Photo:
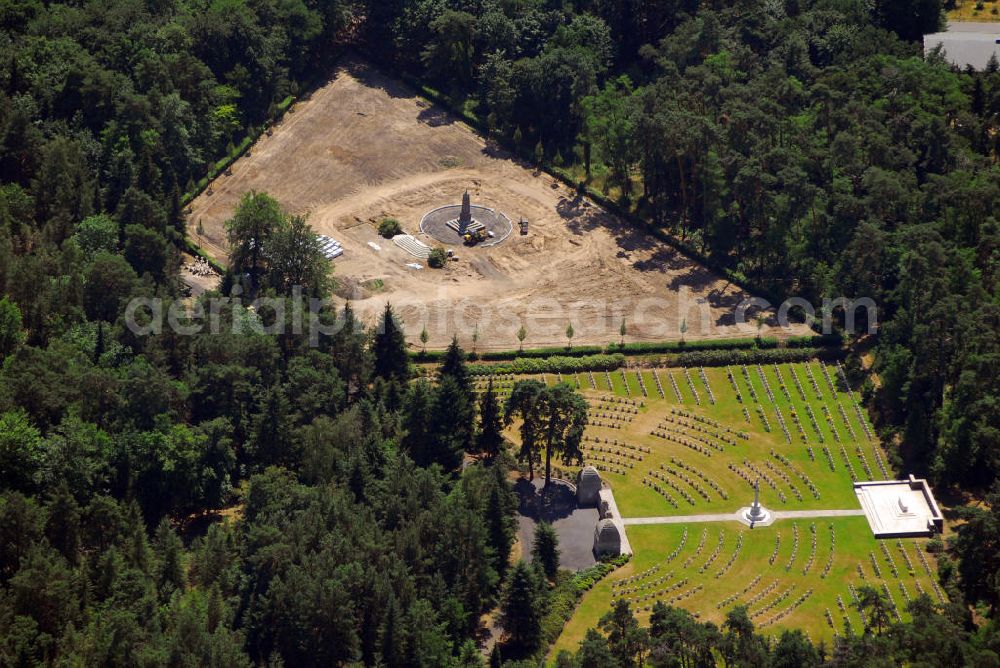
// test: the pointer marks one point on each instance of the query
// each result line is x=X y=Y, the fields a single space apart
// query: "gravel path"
x=731 y=517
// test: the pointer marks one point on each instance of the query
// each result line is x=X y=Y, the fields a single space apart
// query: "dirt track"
x=364 y=146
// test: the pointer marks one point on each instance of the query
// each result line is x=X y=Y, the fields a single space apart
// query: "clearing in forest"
x=364 y=146
x=690 y=441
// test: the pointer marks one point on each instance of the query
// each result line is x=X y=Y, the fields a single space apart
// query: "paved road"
x=974 y=26
x=731 y=517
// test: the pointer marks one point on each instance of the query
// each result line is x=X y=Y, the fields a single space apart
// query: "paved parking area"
x=574 y=526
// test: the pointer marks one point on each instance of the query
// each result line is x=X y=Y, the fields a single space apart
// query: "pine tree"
x=135 y=546
x=99 y=344
x=175 y=217
x=417 y=421
x=62 y=527
x=521 y=403
x=500 y=507
x=468 y=655
x=489 y=440
x=521 y=612
x=215 y=609
x=391 y=360
x=270 y=441
x=553 y=419
x=628 y=640
x=594 y=651
x=454 y=366
x=11 y=327
x=348 y=348
x=169 y=566
x=451 y=424
x=393 y=646
x=545 y=551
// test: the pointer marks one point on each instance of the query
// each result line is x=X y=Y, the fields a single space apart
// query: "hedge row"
x=641 y=348
x=437 y=97
x=285 y=104
x=575 y=351
x=570 y=587
x=510 y=355
x=815 y=341
x=708 y=344
x=690 y=358
x=556 y=364
x=768 y=356
x=223 y=163
x=588 y=577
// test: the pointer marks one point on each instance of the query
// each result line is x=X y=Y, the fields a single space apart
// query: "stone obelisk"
x=465 y=217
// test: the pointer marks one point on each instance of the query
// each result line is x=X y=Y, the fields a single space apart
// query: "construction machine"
x=474 y=237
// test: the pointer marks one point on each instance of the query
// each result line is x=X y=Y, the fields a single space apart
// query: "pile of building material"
x=330 y=248
x=412 y=246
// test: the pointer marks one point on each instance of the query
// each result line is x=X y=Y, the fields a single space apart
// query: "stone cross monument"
x=756 y=513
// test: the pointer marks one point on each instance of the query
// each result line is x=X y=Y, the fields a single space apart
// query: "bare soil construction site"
x=364 y=146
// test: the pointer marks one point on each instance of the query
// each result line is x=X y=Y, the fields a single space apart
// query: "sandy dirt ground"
x=364 y=146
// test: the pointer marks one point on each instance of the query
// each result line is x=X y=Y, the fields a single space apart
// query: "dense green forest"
x=245 y=499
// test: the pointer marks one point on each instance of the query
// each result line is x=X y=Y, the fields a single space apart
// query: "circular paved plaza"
x=435 y=223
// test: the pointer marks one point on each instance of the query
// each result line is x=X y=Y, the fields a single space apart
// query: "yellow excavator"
x=473 y=238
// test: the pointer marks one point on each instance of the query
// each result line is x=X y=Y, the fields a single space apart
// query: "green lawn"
x=636 y=499
x=854 y=545
x=663 y=425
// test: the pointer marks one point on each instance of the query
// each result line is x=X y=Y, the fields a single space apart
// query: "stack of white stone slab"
x=330 y=248
x=412 y=246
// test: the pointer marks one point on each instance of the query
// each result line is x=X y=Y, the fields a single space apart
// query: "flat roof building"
x=966 y=43
x=900 y=508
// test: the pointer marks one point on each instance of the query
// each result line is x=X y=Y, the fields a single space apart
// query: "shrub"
x=815 y=341
x=768 y=356
x=709 y=344
x=588 y=577
x=438 y=257
x=551 y=365
x=389 y=227
x=575 y=351
x=567 y=592
x=811 y=342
